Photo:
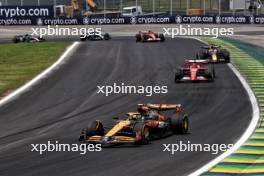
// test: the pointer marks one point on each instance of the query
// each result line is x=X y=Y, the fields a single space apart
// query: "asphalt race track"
x=61 y=105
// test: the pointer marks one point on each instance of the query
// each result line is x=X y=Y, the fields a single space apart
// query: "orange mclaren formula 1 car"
x=195 y=71
x=139 y=127
x=149 y=36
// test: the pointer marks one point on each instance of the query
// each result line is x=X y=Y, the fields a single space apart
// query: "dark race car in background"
x=214 y=54
x=95 y=36
x=138 y=127
x=194 y=71
x=149 y=36
x=27 y=38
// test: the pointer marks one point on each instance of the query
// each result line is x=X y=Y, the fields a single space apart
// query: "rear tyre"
x=162 y=38
x=179 y=124
x=226 y=56
x=144 y=132
x=106 y=36
x=210 y=74
x=214 y=75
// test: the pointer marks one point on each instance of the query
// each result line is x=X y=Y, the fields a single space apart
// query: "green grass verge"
x=249 y=157
x=21 y=62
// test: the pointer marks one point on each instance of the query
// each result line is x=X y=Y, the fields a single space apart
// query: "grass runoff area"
x=21 y=62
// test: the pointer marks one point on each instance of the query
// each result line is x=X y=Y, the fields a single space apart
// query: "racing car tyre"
x=178 y=76
x=226 y=56
x=210 y=74
x=162 y=38
x=144 y=131
x=145 y=38
x=138 y=38
x=41 y=39
x=15 y=40
x=179 y=124
x=212 y=70
x=202 y=54
x=83 y=39
x=94 y=128
x=106 y=36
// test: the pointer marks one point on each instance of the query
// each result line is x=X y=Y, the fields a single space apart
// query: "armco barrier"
x=94 y=20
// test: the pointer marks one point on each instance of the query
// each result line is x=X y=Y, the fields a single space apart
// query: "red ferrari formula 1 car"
x=149 y=36
x=195 y=70
x=149 y=122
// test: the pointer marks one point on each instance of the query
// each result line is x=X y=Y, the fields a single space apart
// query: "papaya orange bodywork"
x=119 y=126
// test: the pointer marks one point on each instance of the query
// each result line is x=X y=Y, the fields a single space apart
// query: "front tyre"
x=138 y=38
x=202 y=54
x=178 y=76
x=94 y=128
x=143 y=133
x=83 y=38
x=15 y=40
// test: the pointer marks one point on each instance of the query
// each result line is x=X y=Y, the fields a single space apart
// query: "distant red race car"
x=194 y=71
x=149 y=36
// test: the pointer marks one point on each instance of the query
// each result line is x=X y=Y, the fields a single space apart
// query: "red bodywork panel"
x=194 y=67
x=153 y=36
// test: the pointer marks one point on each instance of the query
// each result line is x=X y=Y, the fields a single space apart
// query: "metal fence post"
x=121 y=6
x=204 y=7
x=187 y=6
x=136 y=7
x=234 y=11
x=54 y=4
x=180 y=4
x=219 y=7
x=245 y=7
x=153 y=7
x=104 y=7
x=171 y=7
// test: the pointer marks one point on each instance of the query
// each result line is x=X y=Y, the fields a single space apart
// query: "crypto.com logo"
x=39 y=21
x=178 y=19
x=86 y=21
x=218 y=19
x=252 y=19
x=133 y=20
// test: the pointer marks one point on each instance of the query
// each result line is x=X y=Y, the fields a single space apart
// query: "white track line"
x=247 y=133
x=35 y=80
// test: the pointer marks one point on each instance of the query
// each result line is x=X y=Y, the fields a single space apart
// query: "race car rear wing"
x=162 y=107
x=209 y=46
x=203 y=61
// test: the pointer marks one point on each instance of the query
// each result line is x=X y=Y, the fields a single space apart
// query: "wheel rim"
x=185 y=125
x=145 y=134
